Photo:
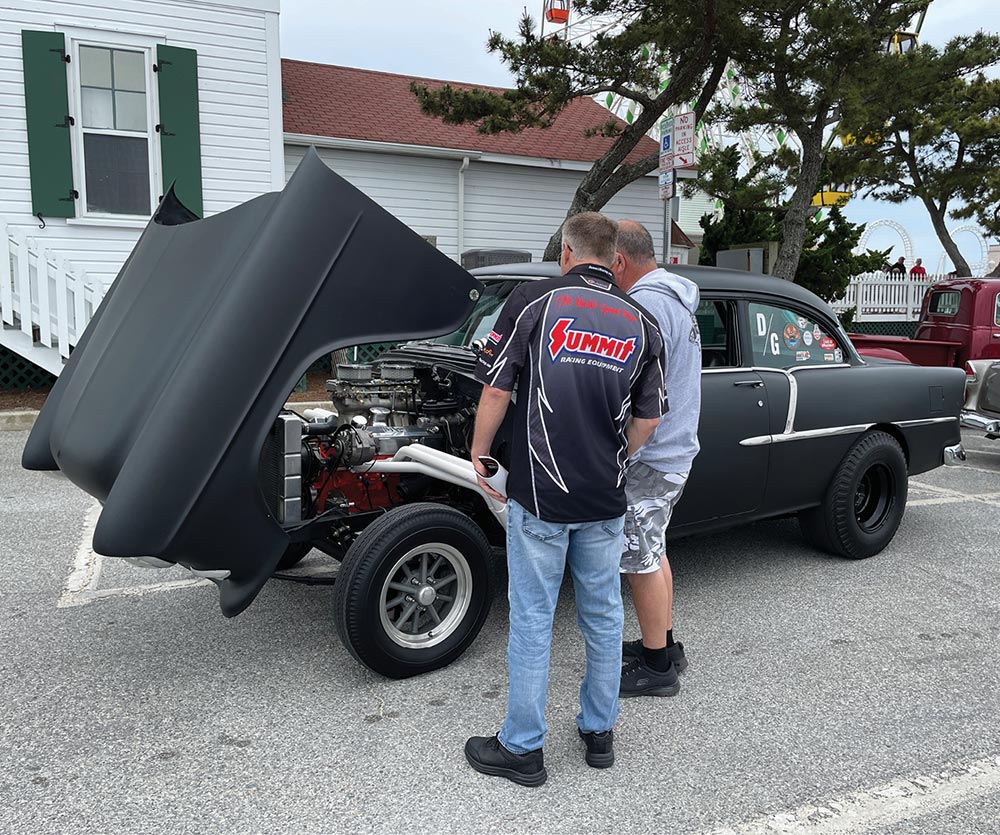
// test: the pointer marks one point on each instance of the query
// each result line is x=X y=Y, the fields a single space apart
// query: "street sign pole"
x=668 y=222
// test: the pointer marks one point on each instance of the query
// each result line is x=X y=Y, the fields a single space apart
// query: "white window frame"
x=112 y=40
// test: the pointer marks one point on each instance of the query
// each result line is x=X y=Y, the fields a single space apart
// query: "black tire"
x=864 y=503
x=371 y=617
x=294 y=554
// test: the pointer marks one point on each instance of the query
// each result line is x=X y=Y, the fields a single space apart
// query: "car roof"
x=708 y=279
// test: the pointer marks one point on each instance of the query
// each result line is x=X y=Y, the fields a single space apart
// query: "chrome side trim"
x=793 y=397
x=924 y=421
x=808 y=434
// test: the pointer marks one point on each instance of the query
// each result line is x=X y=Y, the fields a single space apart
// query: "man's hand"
x=482 y=479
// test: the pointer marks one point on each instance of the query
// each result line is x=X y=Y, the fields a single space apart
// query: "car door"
x=728 y=477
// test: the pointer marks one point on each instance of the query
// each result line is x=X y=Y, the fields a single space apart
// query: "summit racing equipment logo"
x=564 y=338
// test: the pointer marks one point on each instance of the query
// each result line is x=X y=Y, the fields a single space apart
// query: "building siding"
x=420 y=191
x=238 y=154
x=507 y=206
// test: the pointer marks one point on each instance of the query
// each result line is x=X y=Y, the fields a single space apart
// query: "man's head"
x=636 y=255
x=919 y=261
x=901 y=259
x=588 y=238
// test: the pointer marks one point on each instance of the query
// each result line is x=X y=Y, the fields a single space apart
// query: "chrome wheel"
x=426 y=595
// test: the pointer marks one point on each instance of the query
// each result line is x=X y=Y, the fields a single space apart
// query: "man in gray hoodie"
x=658 y=471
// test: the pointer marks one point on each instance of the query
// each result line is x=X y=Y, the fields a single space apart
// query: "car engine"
x=345 y=460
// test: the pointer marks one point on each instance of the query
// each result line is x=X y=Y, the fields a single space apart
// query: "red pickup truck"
x=959 y=325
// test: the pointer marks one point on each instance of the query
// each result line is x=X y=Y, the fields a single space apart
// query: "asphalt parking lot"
x=823 y=695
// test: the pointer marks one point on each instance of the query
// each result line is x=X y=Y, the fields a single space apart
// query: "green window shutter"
x=46 y=99
x=179 y=127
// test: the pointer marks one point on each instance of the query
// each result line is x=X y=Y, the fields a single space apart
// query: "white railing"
x=886 y=297
x=44 y=302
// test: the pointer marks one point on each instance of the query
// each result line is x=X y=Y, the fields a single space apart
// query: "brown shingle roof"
x=348 y=103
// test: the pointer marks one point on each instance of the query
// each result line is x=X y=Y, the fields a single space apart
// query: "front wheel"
x=414 y=590
x=864 y=503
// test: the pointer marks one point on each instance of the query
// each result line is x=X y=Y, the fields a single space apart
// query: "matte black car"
x=170 y=412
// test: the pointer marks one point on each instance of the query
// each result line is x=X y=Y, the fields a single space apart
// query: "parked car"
x=167 y=410
x=959 y=326
x=982 y=404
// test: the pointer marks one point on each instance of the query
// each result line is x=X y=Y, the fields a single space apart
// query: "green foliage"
x=549 y=72
x=932 y=134
x=828 y=262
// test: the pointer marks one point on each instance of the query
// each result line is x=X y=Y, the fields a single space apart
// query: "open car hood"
x=164 y=405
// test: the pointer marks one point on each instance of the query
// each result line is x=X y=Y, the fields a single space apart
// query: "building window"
x=114 y=140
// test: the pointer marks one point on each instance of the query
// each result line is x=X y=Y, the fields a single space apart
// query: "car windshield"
x=484 y=314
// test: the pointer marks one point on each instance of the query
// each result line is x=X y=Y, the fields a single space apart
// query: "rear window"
x=945 y=302
x=997 y=317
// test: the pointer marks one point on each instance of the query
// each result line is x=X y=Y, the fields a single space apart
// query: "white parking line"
x=937 y=500
x=873 y=810
x=81 y=585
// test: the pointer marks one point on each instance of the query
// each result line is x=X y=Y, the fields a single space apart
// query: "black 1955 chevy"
x=170 y=412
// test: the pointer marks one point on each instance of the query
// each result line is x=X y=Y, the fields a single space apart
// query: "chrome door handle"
x=754 y=384
x=996 y=336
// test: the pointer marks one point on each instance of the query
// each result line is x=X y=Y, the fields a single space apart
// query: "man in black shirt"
x=587 y=364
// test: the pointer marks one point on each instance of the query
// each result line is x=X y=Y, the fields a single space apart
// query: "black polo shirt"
x=583 y=357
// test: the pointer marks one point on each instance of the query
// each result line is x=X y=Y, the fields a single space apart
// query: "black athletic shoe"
x=633 y=649
x=640 y=680
x=600 y=748
x=487 y=756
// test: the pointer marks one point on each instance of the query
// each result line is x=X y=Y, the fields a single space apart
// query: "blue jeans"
x=537 y=553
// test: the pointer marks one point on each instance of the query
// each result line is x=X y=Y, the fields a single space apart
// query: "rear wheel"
x=414 y=590
x=865 y=501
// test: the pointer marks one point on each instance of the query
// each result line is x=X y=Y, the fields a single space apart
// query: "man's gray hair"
x=592 y=237
x=635 y=242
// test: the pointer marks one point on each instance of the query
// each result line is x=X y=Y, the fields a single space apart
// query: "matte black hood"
x=164 y=405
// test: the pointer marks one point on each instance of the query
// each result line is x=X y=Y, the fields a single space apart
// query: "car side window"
x=716 y=325
x=784 y=338
x=996 y=318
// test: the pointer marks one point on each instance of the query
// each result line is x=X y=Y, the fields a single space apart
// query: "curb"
x=21 y=419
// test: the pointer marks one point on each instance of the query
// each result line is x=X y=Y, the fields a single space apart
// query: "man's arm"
x=492 y=407
x=637 y=431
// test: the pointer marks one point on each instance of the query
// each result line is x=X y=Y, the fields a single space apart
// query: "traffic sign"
x=683 y=143
x=668 y=183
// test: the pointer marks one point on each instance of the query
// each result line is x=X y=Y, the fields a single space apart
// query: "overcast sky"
x=446 y=39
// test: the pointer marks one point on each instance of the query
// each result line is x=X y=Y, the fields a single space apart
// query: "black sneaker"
x=640 y=680
x=600 y=748
x=633 y=649
x=487 y=756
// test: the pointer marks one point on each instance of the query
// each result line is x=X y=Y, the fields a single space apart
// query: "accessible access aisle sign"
x=683 y=140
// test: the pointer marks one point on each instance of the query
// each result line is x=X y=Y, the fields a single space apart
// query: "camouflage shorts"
x=651 y=498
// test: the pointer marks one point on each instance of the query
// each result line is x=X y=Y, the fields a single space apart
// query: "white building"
x=106 y=103
x=461 y=189
x=103 y=104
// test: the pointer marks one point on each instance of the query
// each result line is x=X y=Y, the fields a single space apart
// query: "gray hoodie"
x=673 y=300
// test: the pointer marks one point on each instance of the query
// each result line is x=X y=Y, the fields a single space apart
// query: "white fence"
x=885 y=297
x=45 y=304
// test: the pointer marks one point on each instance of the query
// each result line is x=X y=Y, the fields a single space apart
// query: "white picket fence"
x=885 y=297
x=45 y=303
